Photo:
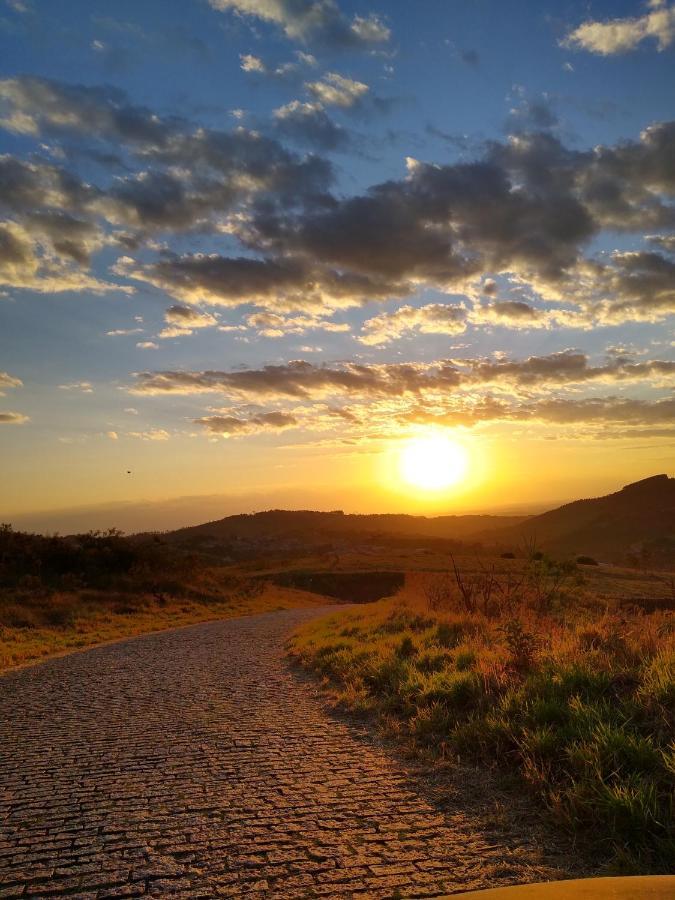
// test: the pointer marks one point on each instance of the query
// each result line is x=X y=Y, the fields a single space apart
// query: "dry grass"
x=90 y=618
x=574 y=698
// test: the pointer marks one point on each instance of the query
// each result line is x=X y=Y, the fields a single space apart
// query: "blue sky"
x=223 y=187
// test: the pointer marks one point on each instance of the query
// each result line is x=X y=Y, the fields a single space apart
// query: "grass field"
x=569 y=695
x=84 y=620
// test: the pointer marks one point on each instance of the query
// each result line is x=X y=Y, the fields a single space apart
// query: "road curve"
x=196 y=763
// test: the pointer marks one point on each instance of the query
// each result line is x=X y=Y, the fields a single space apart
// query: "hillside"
x=279 y=529
x=635 y=524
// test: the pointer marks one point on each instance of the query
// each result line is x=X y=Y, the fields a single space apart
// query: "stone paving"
x=196 y=763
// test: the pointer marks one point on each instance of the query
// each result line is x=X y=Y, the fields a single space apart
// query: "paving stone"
x=197 y=763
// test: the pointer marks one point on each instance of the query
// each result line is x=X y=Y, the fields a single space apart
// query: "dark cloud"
x=533 y=115
x=309 y=124
x=665 y=242
x=26 y=187
x=470 y=57
x=35 y=105
x=13 y=418
x=234 y=425
x=527 y=208
x=284 y=282
x=634 y=286
x=441 y=225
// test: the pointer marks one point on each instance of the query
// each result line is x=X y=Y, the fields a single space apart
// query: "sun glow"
x=433 y=462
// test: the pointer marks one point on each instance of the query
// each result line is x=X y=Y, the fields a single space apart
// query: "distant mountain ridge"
x=634 y=523
x=296 y=523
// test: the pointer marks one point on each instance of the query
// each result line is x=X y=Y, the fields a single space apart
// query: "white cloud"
x=435 y=318
x=118 y=332
x=8 y=382
x=621 y=35
x=336 y=90
x=84 y=386
x=154 y=434
x=183 y=320
x=250 y=63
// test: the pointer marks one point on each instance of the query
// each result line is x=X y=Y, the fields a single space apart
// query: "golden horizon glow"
x=433 y=462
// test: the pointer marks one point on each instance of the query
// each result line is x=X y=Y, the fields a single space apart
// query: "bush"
x=587 y=561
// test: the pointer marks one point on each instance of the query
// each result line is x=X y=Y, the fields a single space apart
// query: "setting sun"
x=433 y=462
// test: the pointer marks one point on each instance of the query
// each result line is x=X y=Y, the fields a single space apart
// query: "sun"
x=433 y=462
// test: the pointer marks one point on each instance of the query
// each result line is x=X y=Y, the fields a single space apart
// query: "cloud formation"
x=312 y=20
x=527 y=208
x=621 y=35
x=13 y=418
x=435 y=318
x=229 y=425
x=308 y=123
x=306 y=380
x=8 y=382
x=184 y=320
x=336 y=90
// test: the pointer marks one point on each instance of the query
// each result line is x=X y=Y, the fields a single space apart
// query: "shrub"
x=587 y=561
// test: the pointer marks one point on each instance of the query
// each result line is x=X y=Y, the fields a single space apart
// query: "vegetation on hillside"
x=63 y=593
x=520 y=673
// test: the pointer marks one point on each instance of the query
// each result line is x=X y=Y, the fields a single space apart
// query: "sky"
x=250 y=249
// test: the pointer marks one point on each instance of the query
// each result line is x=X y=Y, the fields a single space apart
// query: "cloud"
x=8 y=382
x=621 y=35
x=27 y=265
x=35 y=104
x=154 y=434
x=13 y=418
x=227 y=166
x=520 y=315
x=288 y=71
x=634 y=286
x=285 y=283
x=336 y=90
x=527 y=208
x=312 y=20
x=84 y=387
x=271 y=325
x=251 y=63
x=306 y=380
x=118 y=332
x=147 y=345
x=665 y=242
x=536 y=114
x=435 y=318
x=229 y=425
x=184 y=320
x=308 y=123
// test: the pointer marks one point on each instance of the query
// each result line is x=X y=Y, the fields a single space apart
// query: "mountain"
x=313 y=528
x=636 y=523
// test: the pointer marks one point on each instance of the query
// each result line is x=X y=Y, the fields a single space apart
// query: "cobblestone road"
x=196 y=763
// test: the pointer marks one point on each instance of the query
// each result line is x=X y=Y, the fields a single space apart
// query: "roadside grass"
x=59 y=594
x=576 y=702
x=64 y=622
